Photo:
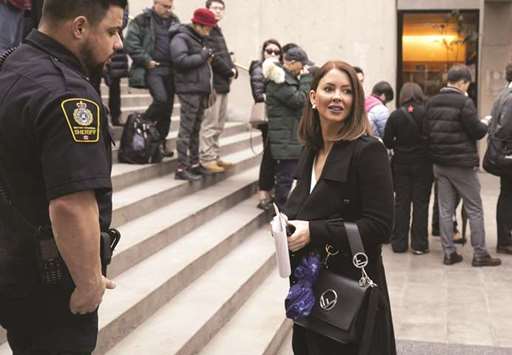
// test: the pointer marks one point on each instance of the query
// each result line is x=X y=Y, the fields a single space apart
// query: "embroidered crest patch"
x=82 y=116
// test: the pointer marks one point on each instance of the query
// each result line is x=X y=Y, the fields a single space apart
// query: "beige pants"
x=211 y=129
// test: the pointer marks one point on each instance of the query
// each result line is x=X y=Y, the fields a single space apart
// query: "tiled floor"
x=456 y=304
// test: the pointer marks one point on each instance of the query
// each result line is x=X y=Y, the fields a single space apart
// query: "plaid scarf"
x=21 y=4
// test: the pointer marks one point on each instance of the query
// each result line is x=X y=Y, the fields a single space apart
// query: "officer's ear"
x=80 y=25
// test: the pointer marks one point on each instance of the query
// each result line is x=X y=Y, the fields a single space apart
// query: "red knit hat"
x=204 y=17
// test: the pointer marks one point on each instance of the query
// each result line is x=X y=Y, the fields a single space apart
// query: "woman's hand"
x=300 y=238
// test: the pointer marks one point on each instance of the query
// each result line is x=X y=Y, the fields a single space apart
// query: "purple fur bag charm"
x=301 y=298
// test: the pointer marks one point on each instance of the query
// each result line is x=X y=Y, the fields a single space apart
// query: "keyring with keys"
x=330 y=251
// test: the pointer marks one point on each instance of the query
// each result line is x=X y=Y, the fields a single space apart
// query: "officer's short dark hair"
x=383 y=88
x=209 y=3
x=508 y=72
x=93 y=10
x=459 y=72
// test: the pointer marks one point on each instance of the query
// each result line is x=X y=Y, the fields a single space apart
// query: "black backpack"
x=140 y=142
x=498 y=157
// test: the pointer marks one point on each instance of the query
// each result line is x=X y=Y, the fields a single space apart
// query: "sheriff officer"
x=55 y=153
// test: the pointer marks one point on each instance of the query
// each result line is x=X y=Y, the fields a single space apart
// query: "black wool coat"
x=355 y=186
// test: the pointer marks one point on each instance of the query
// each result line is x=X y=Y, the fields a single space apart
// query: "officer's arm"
x=76 y=229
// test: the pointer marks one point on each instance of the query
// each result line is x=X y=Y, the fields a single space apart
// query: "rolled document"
x=278 y=225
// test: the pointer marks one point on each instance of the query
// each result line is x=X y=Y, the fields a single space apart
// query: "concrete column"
x=496 y=51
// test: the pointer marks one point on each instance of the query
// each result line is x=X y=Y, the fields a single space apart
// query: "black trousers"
x=267 y=165
x=160 y=82
x=504 y=212
x=413 y=184
x=284 y=179
x=114 y=95
x=114 y=99
x=40 y=323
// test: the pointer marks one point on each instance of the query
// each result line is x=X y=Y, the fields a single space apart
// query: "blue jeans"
x=11 y=26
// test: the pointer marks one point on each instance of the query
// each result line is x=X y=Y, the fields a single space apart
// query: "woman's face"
x=271 y=51
x=333 y=97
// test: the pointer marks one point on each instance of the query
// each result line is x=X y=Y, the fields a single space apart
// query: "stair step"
x=231 y=128
x=150 y=232
x=125 y=89
x=126 y=110
x=191 y=319
x=131 y=99
x=142 y=198
x=286 y=345
x=256 y=332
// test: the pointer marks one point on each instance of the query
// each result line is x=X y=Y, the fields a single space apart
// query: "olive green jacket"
x=286 y=96
x=139 y=43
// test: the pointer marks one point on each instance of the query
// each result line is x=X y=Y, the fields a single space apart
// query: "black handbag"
x=345 y=309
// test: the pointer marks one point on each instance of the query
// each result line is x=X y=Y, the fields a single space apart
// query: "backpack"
x=140 y=142
x=498 y=156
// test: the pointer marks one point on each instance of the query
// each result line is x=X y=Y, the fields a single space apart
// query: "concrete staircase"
x=195 y=269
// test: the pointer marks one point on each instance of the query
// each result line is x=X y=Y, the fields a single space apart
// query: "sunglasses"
x=272 y=51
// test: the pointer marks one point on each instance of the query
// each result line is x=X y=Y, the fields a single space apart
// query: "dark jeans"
x=504 y=213
x=267 y=165
x=160 y=82
x=191 y=115
x=284 y=178
x=413 y=184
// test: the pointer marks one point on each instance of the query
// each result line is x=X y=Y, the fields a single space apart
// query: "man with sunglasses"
x=147 y=43
x=223 y=72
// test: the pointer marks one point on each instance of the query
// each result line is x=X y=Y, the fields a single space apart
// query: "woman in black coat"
x=412 y=170
x=343 y=175
x=271 y=49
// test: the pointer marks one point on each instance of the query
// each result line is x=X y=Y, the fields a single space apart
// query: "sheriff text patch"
x=82 y=116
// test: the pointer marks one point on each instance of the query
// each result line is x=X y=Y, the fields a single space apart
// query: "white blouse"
x=313 y=177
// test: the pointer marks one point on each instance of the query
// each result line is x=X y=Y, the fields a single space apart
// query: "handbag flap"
x=339 y=300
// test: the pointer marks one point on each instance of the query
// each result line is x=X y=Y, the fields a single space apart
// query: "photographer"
x=191 y=59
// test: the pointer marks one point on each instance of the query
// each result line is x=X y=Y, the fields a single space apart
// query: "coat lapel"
x=336 y=171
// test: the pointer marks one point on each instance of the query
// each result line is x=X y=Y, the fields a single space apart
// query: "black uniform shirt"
x=54 y=136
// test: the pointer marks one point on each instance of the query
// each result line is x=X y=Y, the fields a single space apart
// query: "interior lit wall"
x=433 y=48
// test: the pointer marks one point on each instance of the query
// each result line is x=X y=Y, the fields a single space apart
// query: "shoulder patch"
x=83 y=118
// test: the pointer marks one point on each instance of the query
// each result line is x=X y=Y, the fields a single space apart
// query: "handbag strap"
x=354 y=238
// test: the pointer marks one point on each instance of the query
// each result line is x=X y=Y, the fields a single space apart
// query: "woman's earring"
x=313 y=106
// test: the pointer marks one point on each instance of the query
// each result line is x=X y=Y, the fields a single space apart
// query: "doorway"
x=430 y=42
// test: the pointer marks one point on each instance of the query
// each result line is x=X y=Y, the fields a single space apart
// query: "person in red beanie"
x=191 y=59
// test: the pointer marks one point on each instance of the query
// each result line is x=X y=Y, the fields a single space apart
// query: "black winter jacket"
x=257 y=81
x=405 y=137
x=452 y=128
x=190 y=59
x=222 y=64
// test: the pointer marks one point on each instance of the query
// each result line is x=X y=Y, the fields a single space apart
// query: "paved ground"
x=456 y=304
